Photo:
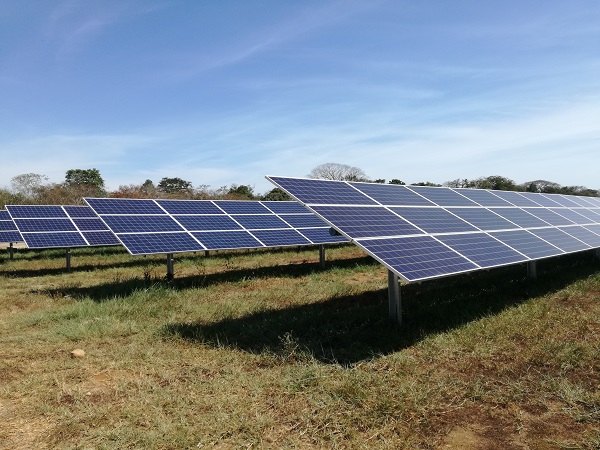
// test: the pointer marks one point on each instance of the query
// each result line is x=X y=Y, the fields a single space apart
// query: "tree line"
x=32 y=188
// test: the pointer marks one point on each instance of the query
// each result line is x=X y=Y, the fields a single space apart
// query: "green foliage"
x=426 y=183
x=174 y=185
x=90 y=177
x=242 y=192
x=276 y=194
x=396 y=181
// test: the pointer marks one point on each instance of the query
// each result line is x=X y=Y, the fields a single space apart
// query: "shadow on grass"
x=125 y=287
x=350 y=329
x=25 y=273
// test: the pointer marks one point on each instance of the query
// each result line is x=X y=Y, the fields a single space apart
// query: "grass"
x=265 y=349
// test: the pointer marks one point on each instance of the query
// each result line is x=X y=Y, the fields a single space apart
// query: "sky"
x=222 y=93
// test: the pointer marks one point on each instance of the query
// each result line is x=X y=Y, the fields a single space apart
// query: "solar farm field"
x=266 y=349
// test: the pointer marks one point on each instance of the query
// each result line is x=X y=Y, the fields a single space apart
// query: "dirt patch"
x=466 y=438
x=19 y=433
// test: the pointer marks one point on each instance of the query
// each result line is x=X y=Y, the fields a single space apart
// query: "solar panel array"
x=8 y=230
x=146 y=226
x=51 y=226
x=422 y=232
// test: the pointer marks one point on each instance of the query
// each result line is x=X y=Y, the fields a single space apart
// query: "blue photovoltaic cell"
x=563 y=200
x=392 y=194
x=103 y=206
x=303 y=220
x=321 y=235
x=593 y=228
x=207 y=223
x=417 y=257
x=593 y=215
x=65 y=222
x=221 y=240
x=584 y=234
x=520 y=217
x=100 y=238
x=35 y=211
x=141 y=224
x=540 y=199
x=434 y=220
x=549 y=216
x=9 y=225
x=80 y=211
x=285 y=207
x=515 y=198
x=471 y=221
x=90 y=224
x=10 y=236
x=582 y=201
x=152 y=243
x=241 y=207
x=189 y=207
x=258 y=222
x=442 y=196
x=4 y=215
x=8 y=229
x=482 y=249
x=483 y=219
x=359 y=222
x=562 y=240
x=280 y=238
x=196 y=217
x=482 y=197
x=528 y=244
x=48 y=240
x=322 y=191
x=573 y=216
x=44 y=225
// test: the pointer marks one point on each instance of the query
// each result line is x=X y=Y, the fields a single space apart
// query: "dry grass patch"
x=268 y=350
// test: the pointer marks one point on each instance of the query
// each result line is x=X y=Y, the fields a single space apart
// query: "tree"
x=241 y=192
x=174 y=185
x=426 y=183
x=28 y=184
x=148 y=187
x=90 y=177
x=396 y=181
x=544 y=186
x=334 y=171
x=276 y=194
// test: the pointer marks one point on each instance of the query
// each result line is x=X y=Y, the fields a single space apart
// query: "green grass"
x=265 y=349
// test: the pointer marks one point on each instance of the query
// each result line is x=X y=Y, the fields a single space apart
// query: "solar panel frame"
x=212 y=224
x=9 y=233
x=56 y=226
x=510 y=240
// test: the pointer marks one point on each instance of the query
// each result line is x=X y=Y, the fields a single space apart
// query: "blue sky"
x=228 y=92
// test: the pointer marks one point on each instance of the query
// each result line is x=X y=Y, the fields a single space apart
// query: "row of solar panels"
x=422 y=232
x=165 y=226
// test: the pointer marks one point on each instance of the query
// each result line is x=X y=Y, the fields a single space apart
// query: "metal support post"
x=206 y=253
x=322 y=255
x=394 y=295
x=170 y=261
x=11 y=251
x=596 y=252
x=531 y=270
x=68 y=257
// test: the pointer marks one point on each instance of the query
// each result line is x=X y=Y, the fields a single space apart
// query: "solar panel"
x=454 y=230
x=49 y=226
x=172 y=226
x=8 y=230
